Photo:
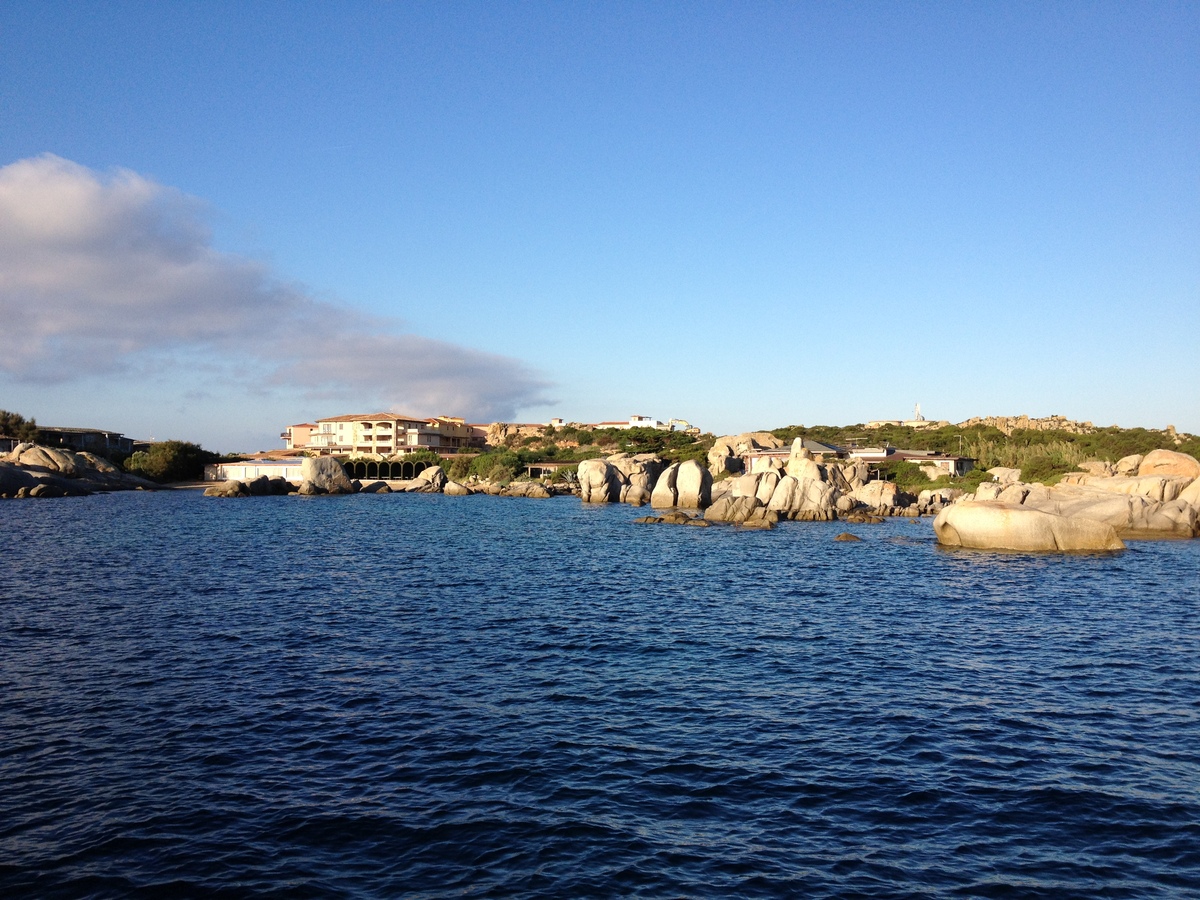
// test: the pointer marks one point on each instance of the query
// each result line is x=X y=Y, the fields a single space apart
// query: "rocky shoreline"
x=34 y=471
x=1156 y=496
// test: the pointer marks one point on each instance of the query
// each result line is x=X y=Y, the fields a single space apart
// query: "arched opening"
x=370 y=466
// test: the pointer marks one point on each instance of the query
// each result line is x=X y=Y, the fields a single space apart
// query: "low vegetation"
x=1049 y=453
x=169 y=461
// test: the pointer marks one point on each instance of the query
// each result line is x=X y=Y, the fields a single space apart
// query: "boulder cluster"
x=798 y=487
x=31 y=470
x=326 y=475
x=1151 y=496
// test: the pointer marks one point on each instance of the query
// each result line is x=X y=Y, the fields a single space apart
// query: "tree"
x=16 y=426
x=171 y=461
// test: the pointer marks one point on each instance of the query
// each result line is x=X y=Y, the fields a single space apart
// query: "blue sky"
x=744 y=215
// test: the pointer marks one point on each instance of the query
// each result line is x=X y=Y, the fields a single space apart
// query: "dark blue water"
x=487 y=697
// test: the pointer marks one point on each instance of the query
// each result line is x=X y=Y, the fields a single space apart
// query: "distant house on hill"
x=636 y=421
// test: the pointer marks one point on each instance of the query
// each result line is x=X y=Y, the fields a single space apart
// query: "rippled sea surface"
x=488 y=697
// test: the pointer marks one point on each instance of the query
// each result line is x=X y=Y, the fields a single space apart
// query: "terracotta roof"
x=374 y=417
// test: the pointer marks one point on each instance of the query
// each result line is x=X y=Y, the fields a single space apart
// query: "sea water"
x=410 y=695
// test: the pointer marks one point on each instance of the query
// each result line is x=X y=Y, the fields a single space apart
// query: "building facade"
x=93 y=440
x=382 y=434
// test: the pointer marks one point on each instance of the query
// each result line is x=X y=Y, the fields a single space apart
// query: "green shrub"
x=564 y=474
x=171 y=461
x=425 y=456
x=501 y=474
x=1047 y=469
x=501 y=460
x=907 y=476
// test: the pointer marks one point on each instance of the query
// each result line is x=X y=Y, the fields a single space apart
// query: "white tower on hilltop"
x=917 y=413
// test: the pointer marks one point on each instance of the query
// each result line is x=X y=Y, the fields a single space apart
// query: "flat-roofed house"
x=93 y=440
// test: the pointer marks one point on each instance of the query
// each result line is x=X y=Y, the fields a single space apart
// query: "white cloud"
x=100 y=274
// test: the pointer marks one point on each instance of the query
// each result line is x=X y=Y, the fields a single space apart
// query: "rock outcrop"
x=1004 y=475
x=231 y=488
x=693 y=486
x=1169 y=463
x=326 y=474
x=803 y=499
x=878 y=495
x=531 y=489
x=745 y=511
x=639 y=475
x=430 y=480
x=1009 y=424
x=1128 y=465
x=1005 y=526
x=600 y=481
x=35 y=471
x=1163 y=501
x=725 y=455
x=665 y=493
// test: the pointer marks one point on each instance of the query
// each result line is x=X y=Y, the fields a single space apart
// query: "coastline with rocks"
x=1153 y=496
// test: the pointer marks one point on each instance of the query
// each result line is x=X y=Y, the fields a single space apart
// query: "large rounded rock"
x=600 y=481
x=693 y=485
x=767 y=483
x=638 y=475
x=13 y=478
x=988 y=490
x=326 y=473
x=456 y=489
x=1004 y=475
x=878 y=495
x=801 y=465
x=532 y=489
x=232 y=488
x=61 y=461
x=259 y=487
x=1169 y=462
x=1128 y=465
x=1004 y=526
x=803 y=499
x=1191 y=494
x=744 y=485
x=664 y=494
x=429 y=480
x=732 y=510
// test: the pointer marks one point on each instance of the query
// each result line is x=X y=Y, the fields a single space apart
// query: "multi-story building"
x=381 y=434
